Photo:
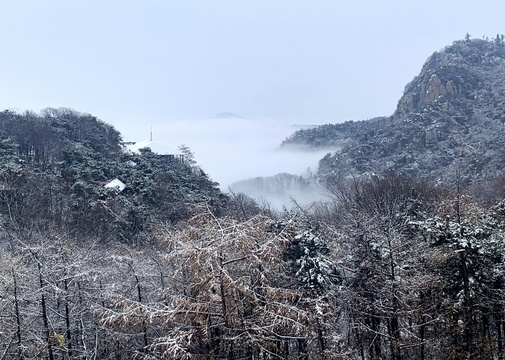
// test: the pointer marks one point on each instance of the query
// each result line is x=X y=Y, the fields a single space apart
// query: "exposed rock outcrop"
x=450 y=120
x=429 y=90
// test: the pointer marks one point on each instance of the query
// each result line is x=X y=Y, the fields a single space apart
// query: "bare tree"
x=388 y=284
x=230 y=294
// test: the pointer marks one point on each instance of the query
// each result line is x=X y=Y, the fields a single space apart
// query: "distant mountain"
x=228 y=115
x=450 y=122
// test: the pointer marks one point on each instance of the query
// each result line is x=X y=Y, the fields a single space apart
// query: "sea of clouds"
x=235 y=149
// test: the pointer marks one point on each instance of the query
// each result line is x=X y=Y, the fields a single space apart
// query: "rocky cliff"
x=448 y=123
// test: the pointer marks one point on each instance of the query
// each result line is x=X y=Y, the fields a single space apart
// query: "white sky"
x=142 y=63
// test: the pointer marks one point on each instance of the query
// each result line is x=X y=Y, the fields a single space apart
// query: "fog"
x=234 y=149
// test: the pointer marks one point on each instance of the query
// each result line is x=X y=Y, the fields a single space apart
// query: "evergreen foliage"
x=55 y=165
x=307 y=253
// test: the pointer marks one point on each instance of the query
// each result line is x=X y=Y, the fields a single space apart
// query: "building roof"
x=116 y=184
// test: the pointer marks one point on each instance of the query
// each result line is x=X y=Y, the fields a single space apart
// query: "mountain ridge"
x=448 y=122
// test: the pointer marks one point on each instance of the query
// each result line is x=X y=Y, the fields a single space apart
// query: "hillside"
x=54 y=168
x=448 y=123
x=112 y=251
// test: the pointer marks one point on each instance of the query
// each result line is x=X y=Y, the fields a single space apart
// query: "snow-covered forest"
x=171 y=268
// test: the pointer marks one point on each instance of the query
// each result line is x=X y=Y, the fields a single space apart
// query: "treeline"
x=334 y=136
x=389 y=268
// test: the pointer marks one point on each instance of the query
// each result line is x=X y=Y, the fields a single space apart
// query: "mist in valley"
x=244 y=155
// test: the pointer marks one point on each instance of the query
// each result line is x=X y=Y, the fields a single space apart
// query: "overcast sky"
x=137 y=64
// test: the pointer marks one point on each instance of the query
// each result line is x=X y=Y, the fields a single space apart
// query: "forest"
x=389 y=267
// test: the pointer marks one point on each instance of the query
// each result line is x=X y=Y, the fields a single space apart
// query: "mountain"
x=449 y=123
x=56 y=171
x=228 y=115
x=387 y=268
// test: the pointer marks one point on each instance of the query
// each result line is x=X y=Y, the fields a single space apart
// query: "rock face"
x=429 y=91
x=450 y=120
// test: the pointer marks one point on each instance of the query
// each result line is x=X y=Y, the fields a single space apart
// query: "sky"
x=173 y=65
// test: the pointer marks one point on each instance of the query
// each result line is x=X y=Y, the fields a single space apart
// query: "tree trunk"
x=18 y=317
x=67 y=318
x=44 y=314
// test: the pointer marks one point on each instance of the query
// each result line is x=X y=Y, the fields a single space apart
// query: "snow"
x=115 y=184
x=154 y=146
